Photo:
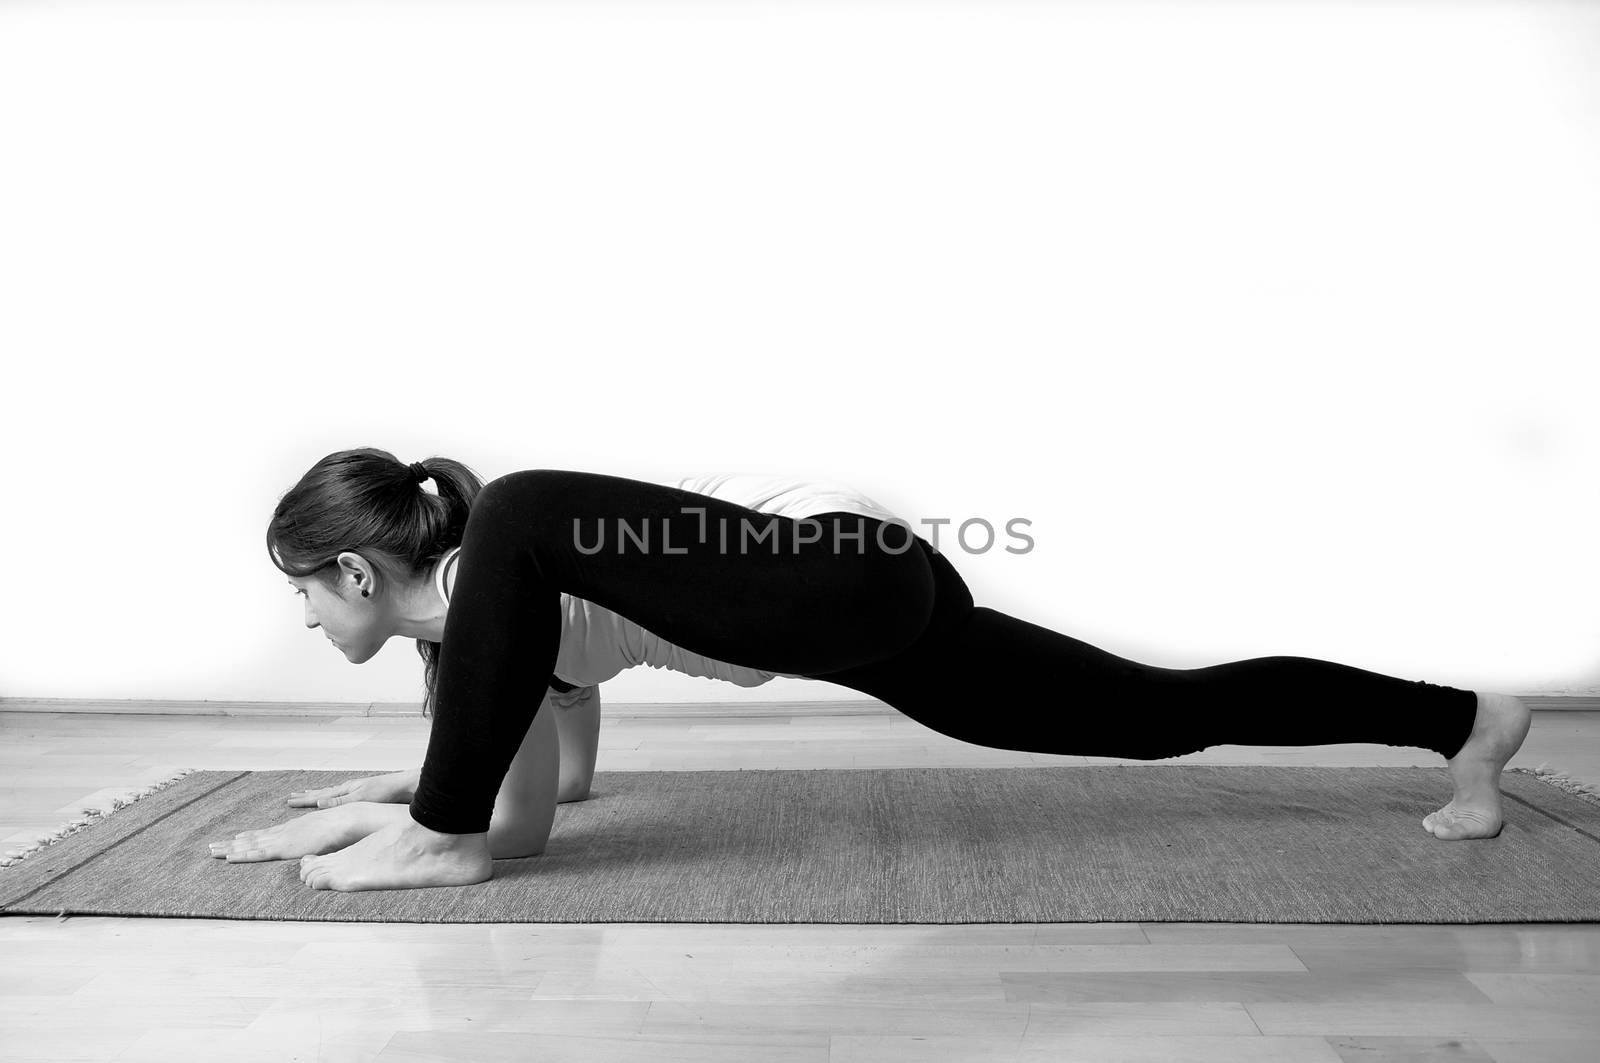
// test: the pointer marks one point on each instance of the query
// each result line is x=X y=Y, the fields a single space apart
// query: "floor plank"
x=101 y=989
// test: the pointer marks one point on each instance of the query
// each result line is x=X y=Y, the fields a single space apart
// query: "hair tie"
x=418 y=471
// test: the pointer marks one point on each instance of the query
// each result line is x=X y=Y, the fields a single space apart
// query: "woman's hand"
x=396 y=788
x=322 y=831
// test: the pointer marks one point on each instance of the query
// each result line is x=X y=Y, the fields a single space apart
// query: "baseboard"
x=661 y=709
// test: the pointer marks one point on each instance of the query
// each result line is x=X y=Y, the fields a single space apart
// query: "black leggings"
x=851 y=600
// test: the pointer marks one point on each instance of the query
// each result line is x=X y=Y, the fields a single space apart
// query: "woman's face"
x=352 y=623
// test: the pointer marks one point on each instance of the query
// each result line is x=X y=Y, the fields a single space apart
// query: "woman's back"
x=598 y=643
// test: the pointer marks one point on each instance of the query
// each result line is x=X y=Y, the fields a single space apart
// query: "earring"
x=363 y=594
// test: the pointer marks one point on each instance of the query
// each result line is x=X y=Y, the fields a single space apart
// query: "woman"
x=596 y=645
x=840 y=595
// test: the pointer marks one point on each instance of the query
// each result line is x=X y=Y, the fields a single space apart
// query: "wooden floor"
x=168 y=990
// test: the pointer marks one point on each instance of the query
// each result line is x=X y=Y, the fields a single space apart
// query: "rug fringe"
x=1561 y=780
x=90 y=815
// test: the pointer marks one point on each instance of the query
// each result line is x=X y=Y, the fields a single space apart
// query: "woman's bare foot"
x=1497 y=733
x=322 y=831
x=401 y=856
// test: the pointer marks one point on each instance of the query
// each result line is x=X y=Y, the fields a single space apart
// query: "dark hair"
x=367 y=501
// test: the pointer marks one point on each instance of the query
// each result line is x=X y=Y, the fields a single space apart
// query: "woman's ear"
x=354 y=570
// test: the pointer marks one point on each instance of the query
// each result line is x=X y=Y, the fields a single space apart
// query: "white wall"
x=1276 y=320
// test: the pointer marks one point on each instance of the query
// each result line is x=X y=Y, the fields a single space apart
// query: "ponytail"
x=370 y=502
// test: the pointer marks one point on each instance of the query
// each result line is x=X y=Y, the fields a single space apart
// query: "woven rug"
x=1144 y=843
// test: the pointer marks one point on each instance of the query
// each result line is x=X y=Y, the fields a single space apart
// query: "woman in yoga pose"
x=843 y=593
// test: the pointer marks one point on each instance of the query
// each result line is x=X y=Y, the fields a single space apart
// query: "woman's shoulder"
x=450 y=566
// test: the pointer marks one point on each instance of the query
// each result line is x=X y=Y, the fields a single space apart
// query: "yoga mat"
x=1192 y=843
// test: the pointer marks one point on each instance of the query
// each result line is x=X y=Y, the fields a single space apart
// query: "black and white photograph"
x=728 y=531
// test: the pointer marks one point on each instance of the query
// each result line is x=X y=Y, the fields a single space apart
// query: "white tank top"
x=597 y=644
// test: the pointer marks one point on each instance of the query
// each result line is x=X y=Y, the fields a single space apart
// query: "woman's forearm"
x=578 y=727
x=525 y=806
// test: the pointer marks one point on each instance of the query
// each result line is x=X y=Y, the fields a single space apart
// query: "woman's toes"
x=1451 y=823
